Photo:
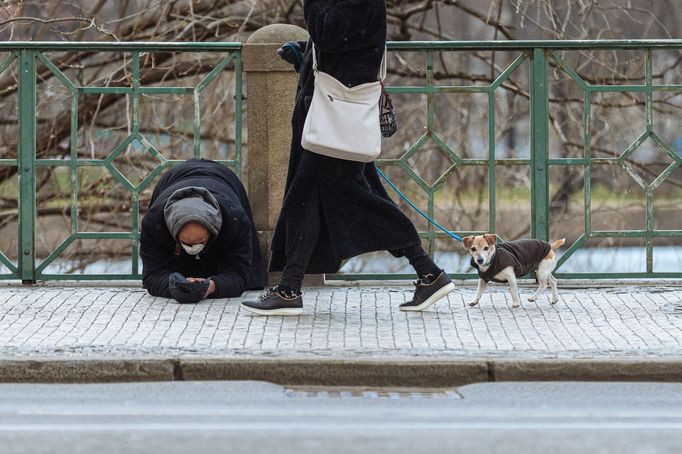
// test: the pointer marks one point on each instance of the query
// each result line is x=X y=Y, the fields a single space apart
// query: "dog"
x=507 y=261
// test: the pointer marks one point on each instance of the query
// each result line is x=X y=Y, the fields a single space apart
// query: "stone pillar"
x=271 y=90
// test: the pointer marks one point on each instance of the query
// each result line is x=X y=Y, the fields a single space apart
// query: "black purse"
x=387 y=119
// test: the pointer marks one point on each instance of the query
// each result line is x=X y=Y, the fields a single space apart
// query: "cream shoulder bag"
x=343 y=122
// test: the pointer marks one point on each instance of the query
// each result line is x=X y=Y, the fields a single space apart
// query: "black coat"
x=357 y=215
x=232 y=259
x=524 y=255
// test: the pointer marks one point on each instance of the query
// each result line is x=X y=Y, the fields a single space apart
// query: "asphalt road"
x=195 y=417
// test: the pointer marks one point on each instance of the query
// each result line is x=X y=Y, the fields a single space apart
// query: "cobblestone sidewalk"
x=341 y=322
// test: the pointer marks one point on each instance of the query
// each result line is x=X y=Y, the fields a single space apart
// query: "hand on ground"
x=211 y=285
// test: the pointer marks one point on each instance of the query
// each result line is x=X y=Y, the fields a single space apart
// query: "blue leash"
x=402 y=196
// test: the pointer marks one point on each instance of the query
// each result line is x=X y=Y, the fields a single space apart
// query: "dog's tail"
x=558 y=243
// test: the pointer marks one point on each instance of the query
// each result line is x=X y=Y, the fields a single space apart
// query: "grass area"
x=600 y=193
x=61 y=180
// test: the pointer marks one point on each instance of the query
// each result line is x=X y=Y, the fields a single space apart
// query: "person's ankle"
x=431 y=276
x=288 y=292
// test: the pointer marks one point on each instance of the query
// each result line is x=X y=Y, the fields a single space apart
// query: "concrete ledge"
x=393 y=372
x=626 y=369
x=340 y=372
x=86 y=370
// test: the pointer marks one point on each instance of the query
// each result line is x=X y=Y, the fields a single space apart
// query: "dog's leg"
x=545 y=277
x=542 y=274
x=514 y=289
x=555 y=295
x=508 y=275
x=542 y=285
x=479 y=291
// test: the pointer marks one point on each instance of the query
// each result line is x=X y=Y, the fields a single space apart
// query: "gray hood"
x=192 y=204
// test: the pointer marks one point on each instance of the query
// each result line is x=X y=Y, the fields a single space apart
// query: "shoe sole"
x=284 y=311
x=431 y=299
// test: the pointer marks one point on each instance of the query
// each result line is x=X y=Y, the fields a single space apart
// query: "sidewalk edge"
x=390 y=372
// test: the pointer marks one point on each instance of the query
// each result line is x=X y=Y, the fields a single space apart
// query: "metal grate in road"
x=311 y=392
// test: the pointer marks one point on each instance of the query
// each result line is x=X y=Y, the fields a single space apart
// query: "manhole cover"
x=672 y=309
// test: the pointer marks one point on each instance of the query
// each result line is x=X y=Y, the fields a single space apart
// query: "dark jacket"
x=523 y=255
x=357 y=215
x=231 y=258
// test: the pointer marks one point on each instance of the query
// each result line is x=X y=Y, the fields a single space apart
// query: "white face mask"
x=194 y=249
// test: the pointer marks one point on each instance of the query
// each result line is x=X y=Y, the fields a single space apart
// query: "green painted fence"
x=27 y=55
x=541 y=57
x=538 y=58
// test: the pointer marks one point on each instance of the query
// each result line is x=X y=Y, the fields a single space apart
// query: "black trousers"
x=297 y=262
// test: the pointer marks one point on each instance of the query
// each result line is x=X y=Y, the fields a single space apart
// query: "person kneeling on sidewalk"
x=198 y=238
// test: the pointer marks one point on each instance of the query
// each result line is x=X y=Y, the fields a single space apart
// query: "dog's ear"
x=490 y=238
x=466 y=242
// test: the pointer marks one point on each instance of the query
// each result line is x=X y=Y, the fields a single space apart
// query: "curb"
x=85 y=370
x=394 y=372
x=630 y=369
x=340 y=372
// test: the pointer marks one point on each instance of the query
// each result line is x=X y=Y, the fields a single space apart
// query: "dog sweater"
x=523 y=255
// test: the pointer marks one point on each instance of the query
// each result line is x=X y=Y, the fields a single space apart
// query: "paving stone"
x=340 y=321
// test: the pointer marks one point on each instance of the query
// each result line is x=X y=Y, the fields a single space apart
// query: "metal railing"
x=27 y=55
x=539 y=56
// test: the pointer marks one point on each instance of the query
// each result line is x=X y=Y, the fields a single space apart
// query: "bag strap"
x=382 y=69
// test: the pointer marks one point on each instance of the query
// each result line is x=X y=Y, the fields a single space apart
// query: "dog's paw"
x=554 y=300
x=473 y=303
x=532 y=298
x=515 y=305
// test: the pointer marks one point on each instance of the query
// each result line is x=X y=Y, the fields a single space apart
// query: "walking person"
x=334 y=209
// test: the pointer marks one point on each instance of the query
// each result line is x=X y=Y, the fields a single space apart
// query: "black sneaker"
x=428 y=291
x=275 y=302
